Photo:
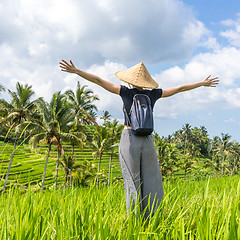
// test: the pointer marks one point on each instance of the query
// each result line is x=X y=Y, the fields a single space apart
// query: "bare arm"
x=70 y=68
x=207 y=82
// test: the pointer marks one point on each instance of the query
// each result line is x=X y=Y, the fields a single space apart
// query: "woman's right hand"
x=67 y=67
x=70 y=68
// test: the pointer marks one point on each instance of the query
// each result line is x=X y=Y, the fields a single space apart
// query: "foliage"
x=167 y=155
x=15 y=112
x=100 y=143
x=54 y=126
x=20 y=107
x=2 y=89
x=78 y=174
x=84 y=174
x=200 y=210
x=82 y=103
x=114 y=131
x=65 y=119
x=106 y=117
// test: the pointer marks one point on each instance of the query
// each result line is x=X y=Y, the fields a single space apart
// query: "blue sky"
x=179 y=42
x=213 y=11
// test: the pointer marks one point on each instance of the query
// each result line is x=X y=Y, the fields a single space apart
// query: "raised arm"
x=70 y=68
x=207 y=82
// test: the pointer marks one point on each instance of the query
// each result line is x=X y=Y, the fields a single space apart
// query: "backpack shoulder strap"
x=128 y=120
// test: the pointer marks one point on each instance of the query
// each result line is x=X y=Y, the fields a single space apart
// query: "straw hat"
x=138 y=76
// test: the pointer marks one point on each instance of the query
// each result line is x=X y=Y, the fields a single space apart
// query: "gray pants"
x=141 y=172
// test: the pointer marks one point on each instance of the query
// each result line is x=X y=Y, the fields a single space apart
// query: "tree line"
x=70 y=116
x=67 y=118
x=192 y=151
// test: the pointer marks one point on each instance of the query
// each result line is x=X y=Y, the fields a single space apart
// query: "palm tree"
x=182 y=137
x=2 y=89
x=215 y=161
x=193 y=151
x=82 y=103
x=234 y=157
x=167 y=154
x=187 y=134
x=20 y=107
x=81 y=173
x=16 y=112
x=106 y=117
x=186 y=164
x=114 y=130
x=78 y=128
x=101 y=143
x=200 y=140
x=68 y=163
x=84 y=173
x=223 y=147
x=160 y=145
x=54 y=126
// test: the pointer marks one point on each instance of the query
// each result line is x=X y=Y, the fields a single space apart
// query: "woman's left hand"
x=210 y=82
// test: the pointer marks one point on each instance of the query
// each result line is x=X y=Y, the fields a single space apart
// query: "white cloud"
x=223 y=62
x=99 y=30
x=41 y=19
x=35 y=35
x=230 y=120
x=37 y=49
x=211 y=43
x=193 y=33
x=232 y=97
x=232 y=34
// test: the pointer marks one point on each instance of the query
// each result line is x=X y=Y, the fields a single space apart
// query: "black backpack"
x=141 y=115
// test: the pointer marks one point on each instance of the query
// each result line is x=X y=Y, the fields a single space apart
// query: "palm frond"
x=35 y=139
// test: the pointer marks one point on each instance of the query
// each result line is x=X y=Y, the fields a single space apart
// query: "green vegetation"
x=1 y=88
x=206 y=209
x=189 y=151
x=68 y=120
x=58 y=147
x=28 y=165
x=65 y=135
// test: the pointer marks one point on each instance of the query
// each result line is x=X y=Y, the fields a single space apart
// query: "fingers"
x=72 y=63
x=214 y=78
x=63 y=65
x=64 y=62
x=211 y=82
x=214 y=82
x=208 y=77
x=67 y=67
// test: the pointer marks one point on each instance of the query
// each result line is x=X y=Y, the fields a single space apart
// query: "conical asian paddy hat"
x=138 y=76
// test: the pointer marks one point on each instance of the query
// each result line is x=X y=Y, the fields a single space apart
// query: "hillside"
x=28 y=164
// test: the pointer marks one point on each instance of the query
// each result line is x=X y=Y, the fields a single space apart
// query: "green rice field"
x=28 y=164
x=206 y=209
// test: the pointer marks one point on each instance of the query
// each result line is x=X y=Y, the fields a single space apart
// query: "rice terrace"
x=61 y=178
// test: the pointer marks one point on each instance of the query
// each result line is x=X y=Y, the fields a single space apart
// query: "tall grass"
x=197 y=210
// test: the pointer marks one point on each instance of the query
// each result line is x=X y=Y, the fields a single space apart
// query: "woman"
x=137 y=154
